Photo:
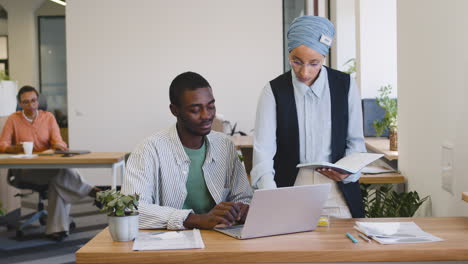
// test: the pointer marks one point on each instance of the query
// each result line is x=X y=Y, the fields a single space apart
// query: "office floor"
x=34 y=248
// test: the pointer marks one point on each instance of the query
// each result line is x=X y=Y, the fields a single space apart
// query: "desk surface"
x=242 y=141
x=246 y=142
x=465 y=196
x=381 y=145
x=382 y=178
x=323 y=245
x=90 y=158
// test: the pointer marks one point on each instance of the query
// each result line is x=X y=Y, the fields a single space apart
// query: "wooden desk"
x=465 y=196
x=242 y=141
x=113 y=160
x=382 y=178
x=381 y=145
x=323 y=245
x=245 y=144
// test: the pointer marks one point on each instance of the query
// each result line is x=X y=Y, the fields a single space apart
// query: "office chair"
x=17 y=182
x=40 y=214
x=371 y=111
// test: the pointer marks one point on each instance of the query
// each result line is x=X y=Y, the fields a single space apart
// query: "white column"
x=376 y=49
x=23 y=40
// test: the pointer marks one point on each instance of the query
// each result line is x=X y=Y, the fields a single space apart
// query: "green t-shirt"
x=198 y=197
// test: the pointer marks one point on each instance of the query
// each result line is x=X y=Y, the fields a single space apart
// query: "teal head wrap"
x=312 y=31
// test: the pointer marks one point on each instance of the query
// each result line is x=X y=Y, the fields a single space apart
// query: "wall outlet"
x=447 y=167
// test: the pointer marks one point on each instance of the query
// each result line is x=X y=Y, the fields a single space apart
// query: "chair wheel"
x=19 y=234
x=72 y=226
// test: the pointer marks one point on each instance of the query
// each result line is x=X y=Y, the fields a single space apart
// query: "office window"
x=53 y=66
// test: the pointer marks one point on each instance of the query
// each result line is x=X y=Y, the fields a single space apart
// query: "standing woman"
x=309 y=114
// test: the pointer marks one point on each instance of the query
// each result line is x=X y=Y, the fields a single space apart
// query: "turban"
x=312 y=31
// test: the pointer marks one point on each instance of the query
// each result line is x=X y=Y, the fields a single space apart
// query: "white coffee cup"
x=28 y=147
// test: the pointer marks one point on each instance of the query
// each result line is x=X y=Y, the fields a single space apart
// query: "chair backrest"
x=42 y=104
x=371 y=111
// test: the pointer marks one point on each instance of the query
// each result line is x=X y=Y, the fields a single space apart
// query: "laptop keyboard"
x=234 y=230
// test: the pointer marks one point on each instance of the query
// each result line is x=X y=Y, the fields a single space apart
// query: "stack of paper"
x=168 y=240
x=395 y=232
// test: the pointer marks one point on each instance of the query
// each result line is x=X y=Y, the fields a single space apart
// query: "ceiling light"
x=60 y=2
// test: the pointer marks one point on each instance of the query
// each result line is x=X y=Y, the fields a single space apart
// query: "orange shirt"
x=43 y=131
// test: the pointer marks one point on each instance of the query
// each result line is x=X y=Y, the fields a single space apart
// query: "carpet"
x=35 y=248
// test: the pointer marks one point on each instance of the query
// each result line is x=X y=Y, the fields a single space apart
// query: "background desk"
x=323 y=245
x=113 y=160
x=245 y=144
x=382 y=145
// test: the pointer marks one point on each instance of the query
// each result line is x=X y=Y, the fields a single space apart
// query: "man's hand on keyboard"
x=244 y=210
x=226 y=213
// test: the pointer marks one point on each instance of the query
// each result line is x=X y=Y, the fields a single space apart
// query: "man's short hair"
x=26 y=89
x=186 y=81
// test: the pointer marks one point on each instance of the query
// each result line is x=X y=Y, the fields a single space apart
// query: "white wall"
x=432 y=93
x=3 y=27
x=344 y=47
x=49 y=8
x=376 y=46
x=22 y=40
x=122 y=56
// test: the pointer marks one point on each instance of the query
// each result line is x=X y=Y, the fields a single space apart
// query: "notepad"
x=70 y=151
x=349 y=165
x=24 y=156
x=395 y=232
x=168 y=240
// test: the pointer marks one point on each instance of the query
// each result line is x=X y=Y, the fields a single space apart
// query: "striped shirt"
x=158 y=169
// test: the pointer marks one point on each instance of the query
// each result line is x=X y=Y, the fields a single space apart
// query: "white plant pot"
x=123 y=228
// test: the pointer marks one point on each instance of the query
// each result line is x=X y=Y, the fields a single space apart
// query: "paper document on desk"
x=24 y=156
x=350 y=164
x=395 y=232
x=168 y=240
x=5 y=156
x=377 y=170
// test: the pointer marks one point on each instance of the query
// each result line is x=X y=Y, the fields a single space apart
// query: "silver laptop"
x=281 y=211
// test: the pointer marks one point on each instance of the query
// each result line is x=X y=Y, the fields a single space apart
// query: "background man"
x=187 y=175
x=309 y=114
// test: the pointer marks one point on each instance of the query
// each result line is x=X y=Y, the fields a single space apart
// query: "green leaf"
x=117 y=204
x=383 y=201
x=390 y=105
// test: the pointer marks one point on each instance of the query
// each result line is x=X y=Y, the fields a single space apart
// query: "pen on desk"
x=351 y=237
x=364 y=237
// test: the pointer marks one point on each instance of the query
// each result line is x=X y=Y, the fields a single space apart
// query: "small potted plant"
x=383 y=201
x=389 y=122
x=122 y=212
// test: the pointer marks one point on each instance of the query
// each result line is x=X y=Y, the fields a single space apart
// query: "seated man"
x=186 y=176
x=65 y=185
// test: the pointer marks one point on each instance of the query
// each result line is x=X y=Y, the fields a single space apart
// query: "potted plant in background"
x=351 y=64
x=389 y=122
x=122 y=213
x=383 y=201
